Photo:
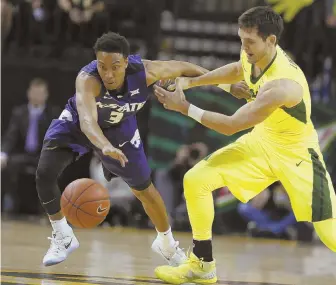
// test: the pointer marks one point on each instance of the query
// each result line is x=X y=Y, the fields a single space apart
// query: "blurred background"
x=46 y=42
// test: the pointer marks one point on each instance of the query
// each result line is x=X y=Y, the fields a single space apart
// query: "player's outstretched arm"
x=161 y=70
x=227 y=74
x=87 y=88
x=270 y=97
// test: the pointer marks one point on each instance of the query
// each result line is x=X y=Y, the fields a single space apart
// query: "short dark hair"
x=112 y=42
x=264 y=19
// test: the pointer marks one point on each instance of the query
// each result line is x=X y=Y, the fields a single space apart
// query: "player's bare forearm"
x=245 y=117
x=95 y=134
x=227 y=74
x=187 y=69
x=175 y=101
x=89 y=125
x=162 y=70
x=87 y=88
x=212 y=120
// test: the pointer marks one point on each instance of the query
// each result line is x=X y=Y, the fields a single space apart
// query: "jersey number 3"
x=115 y=117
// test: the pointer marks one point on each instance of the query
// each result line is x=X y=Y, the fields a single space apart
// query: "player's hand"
x=240 y=90
x=183 y=82
x=116 y=154
x=171 y=100
x=168 y=84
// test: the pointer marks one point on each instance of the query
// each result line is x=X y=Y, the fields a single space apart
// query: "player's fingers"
x=160 y=91
x=179 y=91
x=122 y=162
x=241 y=93
x=245 y=92
x=160 y=99
x=171 y=87
x=158 y=94
x=122 y=155
x=245 y=95
x=122 y=159
x=244 y=85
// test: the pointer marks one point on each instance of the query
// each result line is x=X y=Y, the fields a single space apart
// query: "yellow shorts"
x=249 y=165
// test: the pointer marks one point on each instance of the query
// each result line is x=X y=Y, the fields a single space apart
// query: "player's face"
x=254 y=45
x=112 y=69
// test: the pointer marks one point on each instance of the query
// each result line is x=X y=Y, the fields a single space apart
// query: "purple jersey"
x=116 y=117
x=114 y=107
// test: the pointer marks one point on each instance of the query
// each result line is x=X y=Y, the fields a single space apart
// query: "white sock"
x=167 y=238
x=61 y=225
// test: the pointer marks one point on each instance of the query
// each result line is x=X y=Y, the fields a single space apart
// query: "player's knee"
x=44 y=175
x=145 y=194
x=193 y=182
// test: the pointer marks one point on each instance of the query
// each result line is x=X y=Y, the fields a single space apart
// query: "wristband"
x=195 y=113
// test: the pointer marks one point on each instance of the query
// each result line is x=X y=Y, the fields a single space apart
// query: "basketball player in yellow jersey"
x=283 y=145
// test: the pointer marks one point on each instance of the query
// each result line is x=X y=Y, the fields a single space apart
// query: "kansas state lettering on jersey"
x=114 y=107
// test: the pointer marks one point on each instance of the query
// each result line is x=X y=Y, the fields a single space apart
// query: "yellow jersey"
x=285 y=126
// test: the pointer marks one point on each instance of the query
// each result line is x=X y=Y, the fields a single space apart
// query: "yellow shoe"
x=193 y=270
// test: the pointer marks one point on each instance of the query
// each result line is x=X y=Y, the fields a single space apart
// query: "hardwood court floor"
x=123 y=256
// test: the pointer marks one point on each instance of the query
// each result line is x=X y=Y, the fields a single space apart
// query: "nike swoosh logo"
x=100 y=209
x=50 y=147
x=68 y=244
x=45 y=203
x=297 y=164
x=122 y=144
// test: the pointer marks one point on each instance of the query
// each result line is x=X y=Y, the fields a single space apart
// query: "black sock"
x=203 y=249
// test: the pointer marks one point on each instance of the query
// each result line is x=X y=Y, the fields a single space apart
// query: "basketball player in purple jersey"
x=101 y=117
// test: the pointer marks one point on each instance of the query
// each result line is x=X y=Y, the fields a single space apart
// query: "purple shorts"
x=125 y=136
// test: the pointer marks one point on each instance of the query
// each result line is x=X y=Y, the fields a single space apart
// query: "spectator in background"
x=169 y=182
x=84 y=20
x=269 y=214
x=6 y=19
x=22 y=142
x=30 y=20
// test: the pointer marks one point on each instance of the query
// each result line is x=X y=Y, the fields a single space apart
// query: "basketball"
x=85 y=203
